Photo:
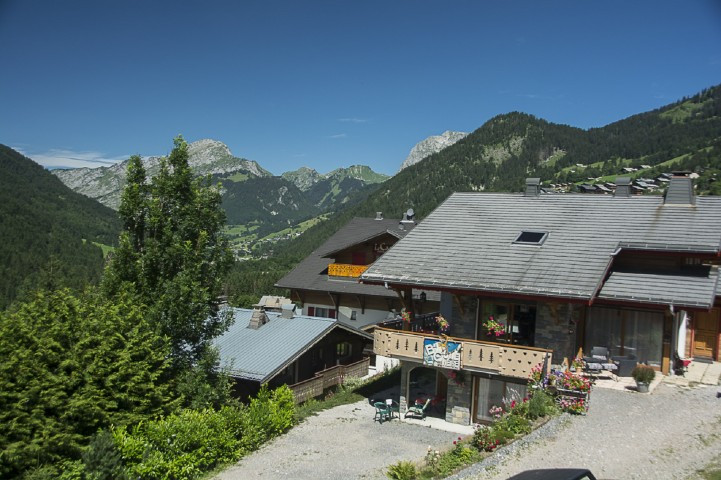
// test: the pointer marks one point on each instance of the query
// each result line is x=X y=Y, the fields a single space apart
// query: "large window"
x=626 y=332
x=495 y=393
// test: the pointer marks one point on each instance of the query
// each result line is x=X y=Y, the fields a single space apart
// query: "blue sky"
x=332 y=83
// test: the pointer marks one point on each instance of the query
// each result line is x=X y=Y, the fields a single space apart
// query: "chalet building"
x=635 y=274
x=279 y=347
x=326 y=282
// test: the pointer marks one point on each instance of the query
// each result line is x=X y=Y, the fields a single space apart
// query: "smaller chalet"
x=276 y=348
x=326 y=282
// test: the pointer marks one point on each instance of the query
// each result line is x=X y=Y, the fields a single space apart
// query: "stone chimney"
x=623 y=187
x=258 y=319
x=379 y=215
x=680 y=190
x=533 y=187
x=288 y=310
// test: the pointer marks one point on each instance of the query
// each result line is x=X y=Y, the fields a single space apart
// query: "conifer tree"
x=173 y=254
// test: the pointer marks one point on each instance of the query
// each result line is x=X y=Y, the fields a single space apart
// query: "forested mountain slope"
x=499 y=155
x=47 y=230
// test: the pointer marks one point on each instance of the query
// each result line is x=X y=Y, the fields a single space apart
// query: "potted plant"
x=493 y=328
x=644 y=375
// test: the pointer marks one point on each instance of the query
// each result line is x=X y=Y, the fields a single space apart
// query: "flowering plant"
x=572 y=405
x=496 y=411
x=442 y=323
x=577 y=364
x=492 y=327
x=406 y=316
x=484 y=439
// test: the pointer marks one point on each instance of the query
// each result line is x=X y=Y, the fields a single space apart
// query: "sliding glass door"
x=626 y=332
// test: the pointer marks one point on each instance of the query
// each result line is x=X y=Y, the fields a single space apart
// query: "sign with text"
x=437 y=353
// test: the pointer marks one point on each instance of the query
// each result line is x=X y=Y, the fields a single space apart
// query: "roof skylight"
x=531 y=237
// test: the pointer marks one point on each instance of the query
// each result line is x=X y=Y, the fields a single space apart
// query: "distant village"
x=638 y=186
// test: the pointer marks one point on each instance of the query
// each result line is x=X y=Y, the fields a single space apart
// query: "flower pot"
x=642 y=387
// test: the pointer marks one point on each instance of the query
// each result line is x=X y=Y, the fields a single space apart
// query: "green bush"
x=460 y=456
x=540 y=405
x=102 y=459
x=516 y=424
x=185 y=444
x=643 y=373
x=403 y=470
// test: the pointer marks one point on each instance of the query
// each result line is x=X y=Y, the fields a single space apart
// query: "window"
x=493 y=392
x=343 y=349
x=529 y=237
x=353 y=315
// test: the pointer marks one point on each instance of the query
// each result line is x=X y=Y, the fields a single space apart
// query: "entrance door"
x=706 y=333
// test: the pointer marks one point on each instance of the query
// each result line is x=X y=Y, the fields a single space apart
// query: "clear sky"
x=332 y=83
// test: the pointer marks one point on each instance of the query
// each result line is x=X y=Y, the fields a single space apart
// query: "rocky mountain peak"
x=431 y=145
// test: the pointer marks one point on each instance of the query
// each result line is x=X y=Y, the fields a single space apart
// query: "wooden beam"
x=362 y=303
x=460 y=305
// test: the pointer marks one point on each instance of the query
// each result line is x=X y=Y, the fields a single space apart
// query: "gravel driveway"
x=667 y=435
x=341 y=443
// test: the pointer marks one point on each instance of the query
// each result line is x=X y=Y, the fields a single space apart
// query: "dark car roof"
x=555 y=474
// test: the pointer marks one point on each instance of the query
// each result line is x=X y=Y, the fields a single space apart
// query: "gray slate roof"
x=308 y=274
x=677 y=290
x=260 y=354
x=467 y=242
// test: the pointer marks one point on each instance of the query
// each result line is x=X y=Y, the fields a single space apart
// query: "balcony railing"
x=314 y=387
x=346 y=270
x=421 y=323
x=475 y=355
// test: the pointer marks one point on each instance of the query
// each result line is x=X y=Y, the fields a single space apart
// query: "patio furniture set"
x=387 y=410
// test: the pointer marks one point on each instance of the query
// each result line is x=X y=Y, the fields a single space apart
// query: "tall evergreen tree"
x=173 y=254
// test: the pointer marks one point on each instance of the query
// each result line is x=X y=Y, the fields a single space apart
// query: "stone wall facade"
x=557 y=328
x=460 y=311
x=458 y=402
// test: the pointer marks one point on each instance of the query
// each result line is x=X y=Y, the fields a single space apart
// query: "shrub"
x=102 y=460
x=643 y=373
x=403 y=470
x=183 y=445
x=516 y=424
x=540 y=404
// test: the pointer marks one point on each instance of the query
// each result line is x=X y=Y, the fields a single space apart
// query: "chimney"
x=258 y=319
x=623 y=187
x=680 y=190
x=408 y=217
x=533 y=187
x=287 y=310
x=379 y=215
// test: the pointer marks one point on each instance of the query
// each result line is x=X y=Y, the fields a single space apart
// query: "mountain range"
x=503 y=152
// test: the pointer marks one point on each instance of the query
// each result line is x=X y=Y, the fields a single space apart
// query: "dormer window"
x=531 y=237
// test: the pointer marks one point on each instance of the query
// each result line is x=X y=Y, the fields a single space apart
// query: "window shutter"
x=331 y=313
x=311 y=311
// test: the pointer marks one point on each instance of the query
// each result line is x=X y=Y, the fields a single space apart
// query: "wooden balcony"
x=470 y=355
x=346 y=270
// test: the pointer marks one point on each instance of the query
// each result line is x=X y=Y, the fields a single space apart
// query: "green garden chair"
x=418 y=410
x=383 y=412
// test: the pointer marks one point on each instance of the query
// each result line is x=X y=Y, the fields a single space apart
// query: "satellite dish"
x=410 y=213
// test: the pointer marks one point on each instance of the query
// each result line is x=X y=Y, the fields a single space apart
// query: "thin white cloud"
x=353 y=120
x=300 y=155
x=338 y=135
x=56 y=158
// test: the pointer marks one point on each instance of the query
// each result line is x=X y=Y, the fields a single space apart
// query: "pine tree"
x=173 y=254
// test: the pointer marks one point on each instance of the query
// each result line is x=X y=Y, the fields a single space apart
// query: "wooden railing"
x=314 y=387
x=346 y=270
x=502 y=359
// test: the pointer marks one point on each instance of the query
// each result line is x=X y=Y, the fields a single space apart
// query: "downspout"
x=674 y=339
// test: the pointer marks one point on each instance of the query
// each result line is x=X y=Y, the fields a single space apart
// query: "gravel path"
x=341 y=443
x=667 y=435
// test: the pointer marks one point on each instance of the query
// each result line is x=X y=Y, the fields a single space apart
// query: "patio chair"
x=625 y=365
x=383 y=412
x=594 y=362
x=418 y=410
